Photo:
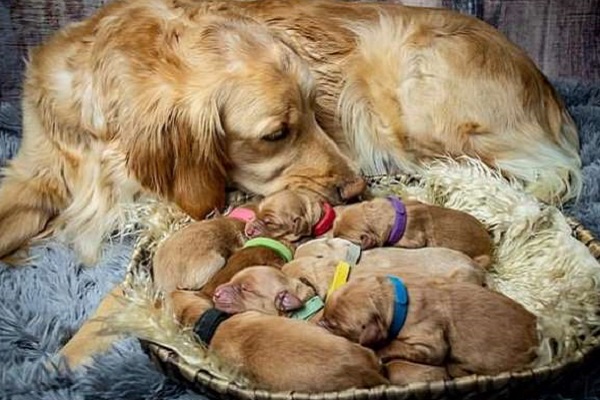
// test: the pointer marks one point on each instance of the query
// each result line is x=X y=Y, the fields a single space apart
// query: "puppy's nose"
x=352 y=188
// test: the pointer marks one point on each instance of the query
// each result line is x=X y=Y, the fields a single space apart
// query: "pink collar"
x=242 y=214
x=326 y=221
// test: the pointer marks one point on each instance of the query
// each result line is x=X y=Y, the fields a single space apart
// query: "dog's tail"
x=28 y=200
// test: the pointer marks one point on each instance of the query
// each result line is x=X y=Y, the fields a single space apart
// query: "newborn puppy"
x=252 y=254
x=292 y=215
x=263 y=289
x=265 y=349
x=465 y=328
x=192 y=255
x=281 y=354
x=412 y=224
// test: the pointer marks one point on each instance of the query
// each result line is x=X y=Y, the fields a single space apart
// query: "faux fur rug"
x=43 y=304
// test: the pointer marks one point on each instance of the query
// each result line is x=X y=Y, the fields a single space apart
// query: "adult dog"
x=180 y=97
x=145 y=96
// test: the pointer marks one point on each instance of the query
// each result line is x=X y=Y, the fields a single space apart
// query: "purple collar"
x=399 y=220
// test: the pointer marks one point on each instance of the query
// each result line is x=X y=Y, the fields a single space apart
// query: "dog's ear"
x=178 y=151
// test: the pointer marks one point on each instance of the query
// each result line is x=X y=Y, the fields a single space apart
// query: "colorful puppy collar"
x=310 y=308
x=242 y=214
x=399 y=220
x=207 y=324
x=326 y=221
x=342 y=269
x=282 y=250
x=400 y=306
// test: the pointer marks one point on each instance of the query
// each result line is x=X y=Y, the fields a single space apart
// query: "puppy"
x=293 y=215
x=242 y=259
x=192 y=255
x=259 y=345
x=465 y=328
x=412 y=224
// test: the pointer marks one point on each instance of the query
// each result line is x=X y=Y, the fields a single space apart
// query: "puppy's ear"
x=178 y=151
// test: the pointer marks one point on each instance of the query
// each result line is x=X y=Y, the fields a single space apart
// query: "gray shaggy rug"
x=44 y=303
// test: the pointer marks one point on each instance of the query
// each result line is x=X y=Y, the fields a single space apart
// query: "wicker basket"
x=509 y=385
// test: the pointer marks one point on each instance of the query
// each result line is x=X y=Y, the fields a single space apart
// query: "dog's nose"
x=352 y=188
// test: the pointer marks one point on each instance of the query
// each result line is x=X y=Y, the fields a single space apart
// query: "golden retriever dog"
x=463 y=327
x=156 y=97
x=180 y=97
x=399 y=85
x=412 y=224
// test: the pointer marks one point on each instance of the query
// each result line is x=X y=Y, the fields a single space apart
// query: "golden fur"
x=465 y=328
x=369 y=224
x=158 y=97
x=179 y=97
x=398 y=85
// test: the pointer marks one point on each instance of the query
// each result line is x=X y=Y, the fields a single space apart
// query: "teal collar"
x=310 y=308
x=400 y=306
x=282 y=250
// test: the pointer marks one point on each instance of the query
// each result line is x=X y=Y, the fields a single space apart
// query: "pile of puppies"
x=303 y=296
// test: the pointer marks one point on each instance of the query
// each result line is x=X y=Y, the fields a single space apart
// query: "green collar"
x=282 y=250
x=310 y=308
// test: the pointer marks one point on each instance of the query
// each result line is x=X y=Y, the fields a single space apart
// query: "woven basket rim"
x=206 y=382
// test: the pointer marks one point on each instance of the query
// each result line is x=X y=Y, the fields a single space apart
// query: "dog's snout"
x=352 y=188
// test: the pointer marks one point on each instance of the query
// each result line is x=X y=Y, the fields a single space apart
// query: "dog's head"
x=235 y=105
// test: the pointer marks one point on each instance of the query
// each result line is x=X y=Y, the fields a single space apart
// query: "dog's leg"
x=32 y=191
x=188 y=306
x=88 y=341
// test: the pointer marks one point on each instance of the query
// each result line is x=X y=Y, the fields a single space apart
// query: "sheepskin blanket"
x=44 y=303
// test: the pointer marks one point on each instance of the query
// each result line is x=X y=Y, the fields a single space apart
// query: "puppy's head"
x=287 y=214
x=264 y=289
x=353 y=311
x=364 y=223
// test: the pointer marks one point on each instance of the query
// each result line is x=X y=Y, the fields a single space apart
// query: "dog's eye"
x=278 y=135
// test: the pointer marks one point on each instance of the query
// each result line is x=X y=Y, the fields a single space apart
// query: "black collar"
x=208 y=323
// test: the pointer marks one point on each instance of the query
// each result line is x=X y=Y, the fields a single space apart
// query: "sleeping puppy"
x=465 y=328
x=293 y=215
x=412 y=224
x=259 y=345
x=258 y=253
x=192 y=255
